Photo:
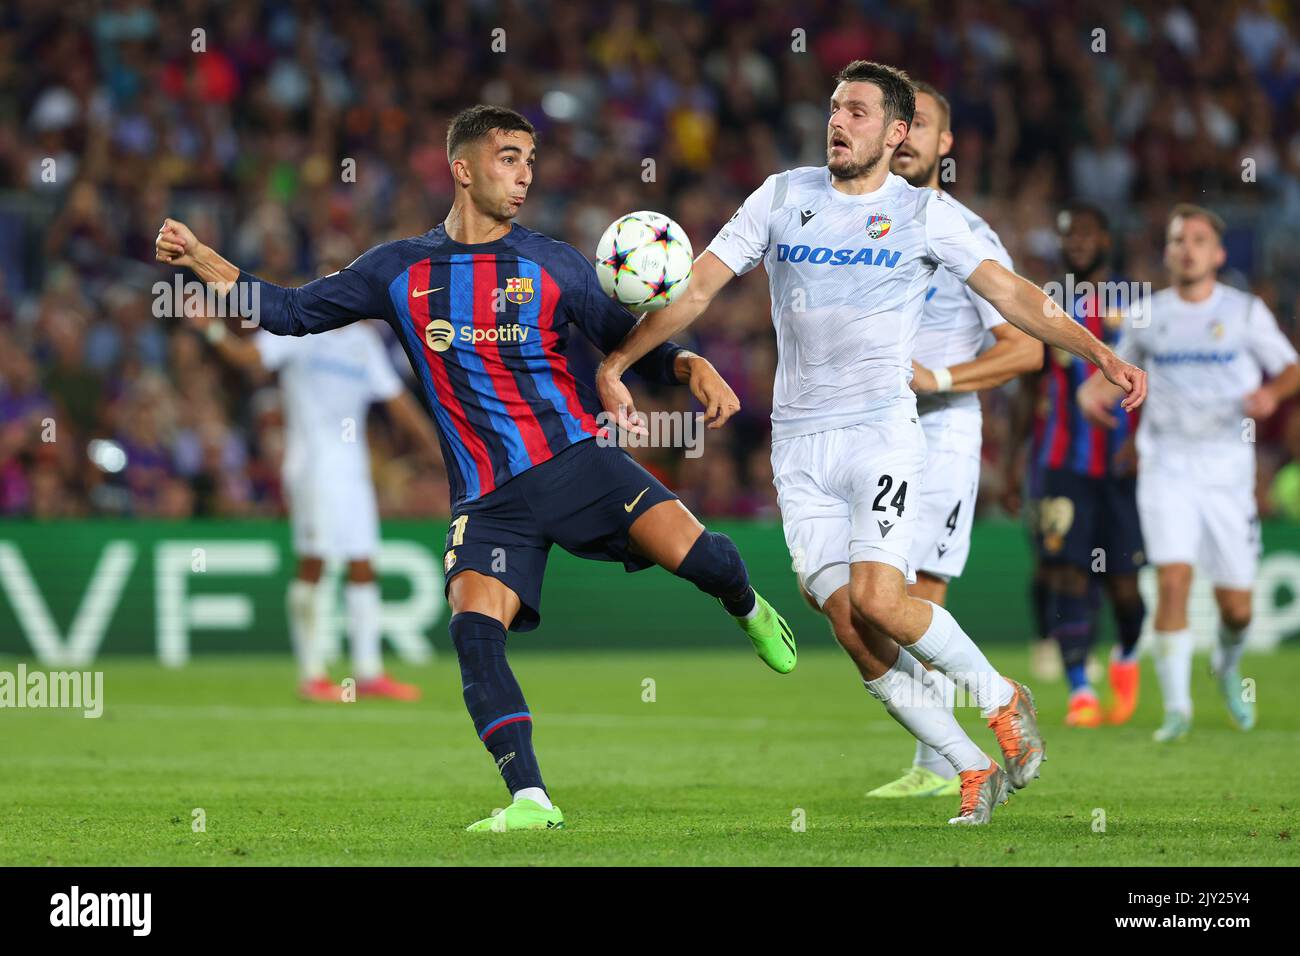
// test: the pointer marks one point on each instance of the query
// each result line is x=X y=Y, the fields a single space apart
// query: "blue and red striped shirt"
x=485 y=327
x=1063 y=437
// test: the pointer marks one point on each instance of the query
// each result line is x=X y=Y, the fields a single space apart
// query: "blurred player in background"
x=850 y=250
x=950 y=364
x=328 y=383
x=484 y=309
x=1088 y=537
x=1208 y=346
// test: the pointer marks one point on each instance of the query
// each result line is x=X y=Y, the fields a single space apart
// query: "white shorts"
x=941 y=543
x=848 y=495
x=333 y=516
x=1214 y=527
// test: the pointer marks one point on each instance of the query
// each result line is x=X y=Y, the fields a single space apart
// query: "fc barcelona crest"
x=519 y=290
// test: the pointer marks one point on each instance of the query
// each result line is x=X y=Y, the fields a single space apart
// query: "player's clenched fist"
x=176 y=244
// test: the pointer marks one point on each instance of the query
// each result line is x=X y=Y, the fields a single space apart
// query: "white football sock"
x=303 y=602
x=947 y=648
x=536 y=794
x=1231 y=643
x=927 y=758
x=1173 y=654
x=920 y=708
x=363 y=629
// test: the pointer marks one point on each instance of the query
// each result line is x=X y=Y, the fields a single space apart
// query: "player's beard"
x=851 y=170
x=921 y=178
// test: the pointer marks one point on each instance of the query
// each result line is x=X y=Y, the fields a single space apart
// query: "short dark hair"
x=1079 y=207
x=930 y=90
x=473 y=123
x=1187 y=210
x=896 y=92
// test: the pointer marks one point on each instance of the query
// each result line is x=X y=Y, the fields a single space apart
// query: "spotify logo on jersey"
x=437 y=334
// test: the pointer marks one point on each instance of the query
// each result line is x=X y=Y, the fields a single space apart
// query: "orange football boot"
x=1085 y=710
x=1016 y=727
x=1124 y=677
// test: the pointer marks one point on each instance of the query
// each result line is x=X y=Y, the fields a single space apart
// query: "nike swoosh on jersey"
x=419 y=295
x=628 y=508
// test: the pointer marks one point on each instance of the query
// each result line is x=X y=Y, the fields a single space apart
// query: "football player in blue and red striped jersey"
x=1088 y=534
x=484 y=309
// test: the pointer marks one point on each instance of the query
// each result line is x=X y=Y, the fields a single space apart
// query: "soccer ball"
x=644 y=260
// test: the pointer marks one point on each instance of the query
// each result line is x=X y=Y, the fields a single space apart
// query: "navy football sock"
x=714 y=566
x=1041 y=598
x=1129 y=616
x=1073 y=632
x=494 y=699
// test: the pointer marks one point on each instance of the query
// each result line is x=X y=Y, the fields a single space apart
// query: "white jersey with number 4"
x=954 y=327
x=329 y=382
x=954 y=324
x=848 y=277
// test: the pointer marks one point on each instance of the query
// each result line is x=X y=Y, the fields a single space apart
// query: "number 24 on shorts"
x=897 y=502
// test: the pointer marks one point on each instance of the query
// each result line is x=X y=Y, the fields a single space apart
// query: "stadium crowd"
x=294 y=135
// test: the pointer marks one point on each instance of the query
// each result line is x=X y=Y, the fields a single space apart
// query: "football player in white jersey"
x=1208 y=346
x=850 y=250
x=328 y=383
x=950 y=365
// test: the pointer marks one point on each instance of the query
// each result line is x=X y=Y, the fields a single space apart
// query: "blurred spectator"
x=295 y=136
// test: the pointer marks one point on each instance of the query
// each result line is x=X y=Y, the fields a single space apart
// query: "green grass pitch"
x=718 y=769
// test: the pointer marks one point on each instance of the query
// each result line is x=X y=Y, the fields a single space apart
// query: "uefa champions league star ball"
x=644 y=260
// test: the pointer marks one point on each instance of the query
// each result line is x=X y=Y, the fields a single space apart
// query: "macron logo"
x=102 y=909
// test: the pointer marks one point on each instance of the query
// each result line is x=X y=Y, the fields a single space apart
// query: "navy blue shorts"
x=1078 y=514
x=584 y=499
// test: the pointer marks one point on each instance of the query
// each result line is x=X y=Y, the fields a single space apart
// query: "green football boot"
x=772 y=637
x=919 y=782
x=1176 y=727
x=520 y=815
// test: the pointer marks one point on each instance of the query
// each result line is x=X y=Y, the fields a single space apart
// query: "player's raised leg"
x=670 y=535
x=481 y=609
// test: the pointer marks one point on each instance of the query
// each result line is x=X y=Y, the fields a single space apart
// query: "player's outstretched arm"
x=708 y=276
x=327 y=303
x=1028 y=307
x=1012 y=353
